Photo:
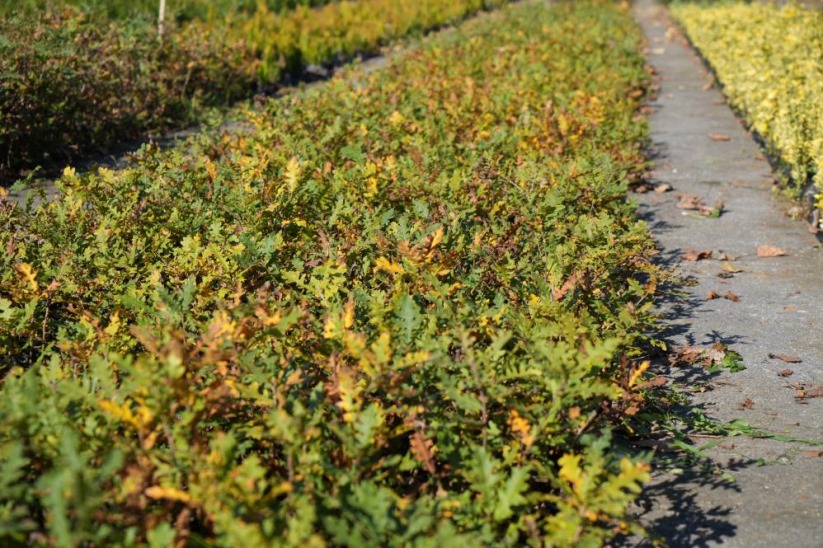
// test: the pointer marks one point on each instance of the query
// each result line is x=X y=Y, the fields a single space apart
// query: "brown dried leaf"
x=785 y=373
x=663 y=187
x=693 y=202
x=785 y=358
x=694 y=255
x=809 y=393
x=795 y=211
x=689 y=201
x=685 y=355
x=715 y=211
x=711 y=295
x=729 y=296
x=642 y=188
x=748 y=403
x=716 y=353
x=558 y=294
x=655 y=382
x=422 y=450
x=766 y=250
x=689 y=355
x=719 y=137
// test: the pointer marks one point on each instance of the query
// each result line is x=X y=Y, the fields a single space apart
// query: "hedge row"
x=71 y=81
x=288 y=42
x=181 y=10
x=769 y=59
x=402 y=310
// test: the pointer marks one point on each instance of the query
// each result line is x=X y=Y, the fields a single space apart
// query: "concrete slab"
x=776 y=497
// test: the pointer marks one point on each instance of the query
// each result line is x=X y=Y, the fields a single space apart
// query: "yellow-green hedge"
x=289 y=41
x=400 y=311
x=100 y=82
x=770 y=61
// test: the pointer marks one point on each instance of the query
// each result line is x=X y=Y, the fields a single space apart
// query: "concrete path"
x=776 y=498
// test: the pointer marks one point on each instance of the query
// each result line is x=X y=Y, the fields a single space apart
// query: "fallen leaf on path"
x=805 y=391
x=725 y=275
x=814 y=392
x=785 y=358
x=694 y=202
x=719 y=137
x=785 y=373
x=795 y=211
x=642 y=188
x=726 y=257
x=657 y=445
x=715 y=211
x=760 y=158
x=766 y=250
x=748 y=403
x=715 y=353
x=790 y=308
x=647 y=110
x=729 y=296
x=655 y=382
x=715 y=356
x=694 y=255
x=663 y=187
x=686 y=355
x=689 y=201
x=813 y=453
x=727 y=267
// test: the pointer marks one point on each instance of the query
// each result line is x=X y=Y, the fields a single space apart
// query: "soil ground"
x=776 y=496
